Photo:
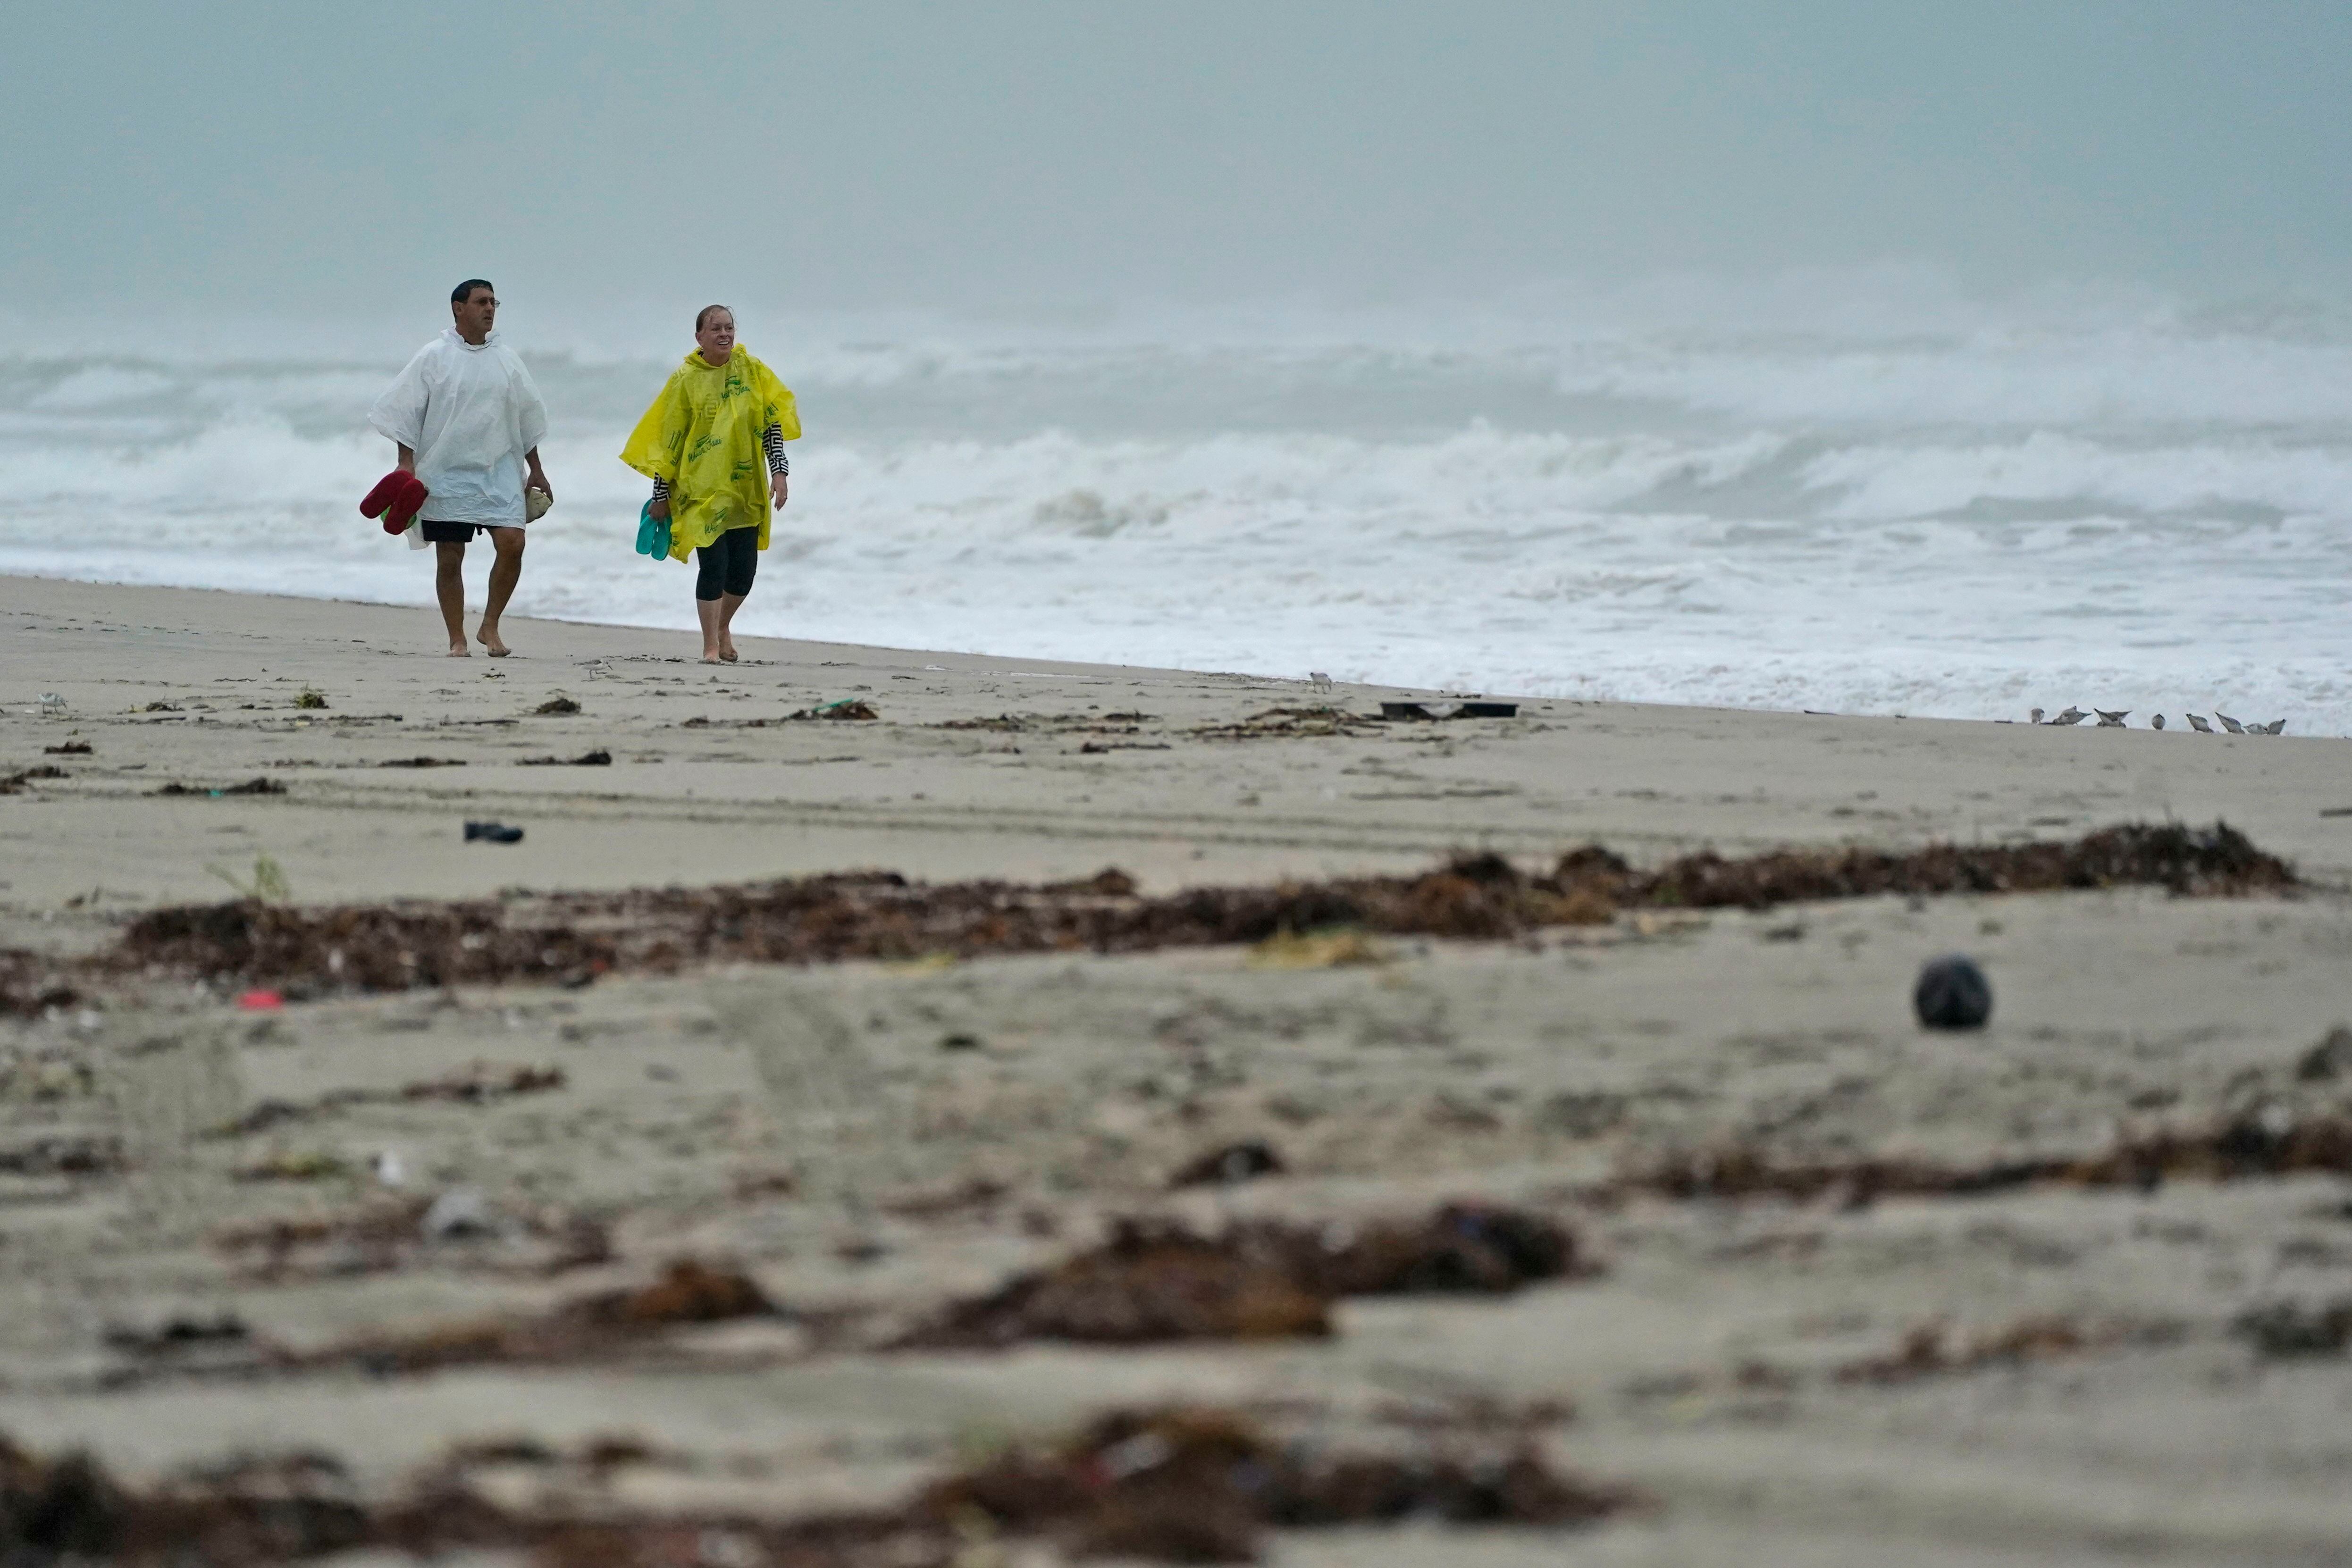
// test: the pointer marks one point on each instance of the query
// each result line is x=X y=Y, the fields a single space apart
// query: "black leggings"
x=729 y=565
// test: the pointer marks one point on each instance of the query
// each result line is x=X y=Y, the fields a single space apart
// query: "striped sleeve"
x=772 y=441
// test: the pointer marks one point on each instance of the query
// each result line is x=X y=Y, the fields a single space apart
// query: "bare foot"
x=489 y=637
x=726 y=652
x=458 y=650
x=710 y=655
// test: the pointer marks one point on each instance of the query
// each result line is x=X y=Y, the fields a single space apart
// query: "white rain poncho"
x=469 y=412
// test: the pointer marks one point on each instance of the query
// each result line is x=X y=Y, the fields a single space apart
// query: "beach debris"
x=1952 y=993
x=1164 y=1484
x=1155 y=1281
x=14 y=784
x=1333 y=948
x=62 y=1154
x=493 y=833
x=1933 y=1350
x=2330 y=1059
x=311 y=697
x=599 y=758
x=960 y=1041
x=460 y=1212
x=307 y=1165
x=476 y=1085
x=1149 y=1283
x=70 y=749
x=2112 y=720
x=1227 y=1167
x=161 y=707
x=1284 y=723
x=2197 y=722
x=250 y=787
x=388 y=1168
x=2231 y=725
x=260 y=999
x=557 y=706
x=2269 y=1142
x=846 y=708
x=422 y=762
x=2156 y=723
x=1201 y=1484
x=882 y=916
x=181 y=1332
x=1412 y=711
x=606 y=1324
x=268 y=883
x=2279 y=1329
x=2071 y=715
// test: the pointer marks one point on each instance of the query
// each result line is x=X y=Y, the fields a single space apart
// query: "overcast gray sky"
x=320 y=153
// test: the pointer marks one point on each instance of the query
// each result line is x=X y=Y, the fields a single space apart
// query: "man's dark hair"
x=703 y=314
x=465 y=290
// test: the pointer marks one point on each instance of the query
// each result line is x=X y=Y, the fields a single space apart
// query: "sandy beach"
x=2074 y=1288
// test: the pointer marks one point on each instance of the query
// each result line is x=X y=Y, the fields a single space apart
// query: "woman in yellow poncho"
x=711 y=443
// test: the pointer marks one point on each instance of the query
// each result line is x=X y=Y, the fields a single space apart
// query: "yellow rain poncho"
x=702 y=436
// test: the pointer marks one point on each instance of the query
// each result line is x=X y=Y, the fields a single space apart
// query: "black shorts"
x=456 y=533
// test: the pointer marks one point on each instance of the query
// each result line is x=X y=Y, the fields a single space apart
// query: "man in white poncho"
x=468 y=422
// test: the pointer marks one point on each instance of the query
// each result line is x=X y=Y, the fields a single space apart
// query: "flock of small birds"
x=2197 y=722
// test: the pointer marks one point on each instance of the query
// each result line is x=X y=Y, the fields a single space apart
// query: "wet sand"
x=868 y=1141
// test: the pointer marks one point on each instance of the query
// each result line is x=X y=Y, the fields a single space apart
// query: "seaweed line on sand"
x=575 y=936
x=1180 y=1484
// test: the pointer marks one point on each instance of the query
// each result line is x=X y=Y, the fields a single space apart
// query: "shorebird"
x=2156 y=723
x=1322 y=682
x=2275 y=726
x=2071 y=715
x=2034 y=717
x=2231 y=725
x=2112 y=720
x=2200 y=725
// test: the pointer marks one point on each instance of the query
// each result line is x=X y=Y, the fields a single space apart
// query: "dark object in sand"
x=178 y=1333
x=599 y=758
x=1451 y=710
x=70 y=749
x=2330 y=1059
x=1156 y=1282
x=250 y=787
x=2284 y=1329
x=312 y=699
x=493 y=832
x=62 y=1154
x=161 y=707
x=557 y=706
x=1952 y=993
x=14 y=784
x=879 y=915
x=422 y=762
x=848 y=708
x=1234 y=1162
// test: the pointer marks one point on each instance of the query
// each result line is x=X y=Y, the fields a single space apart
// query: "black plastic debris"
x=493 y=832
x=1953 y=993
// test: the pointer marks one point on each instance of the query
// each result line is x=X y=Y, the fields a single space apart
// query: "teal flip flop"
x=652 y=533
